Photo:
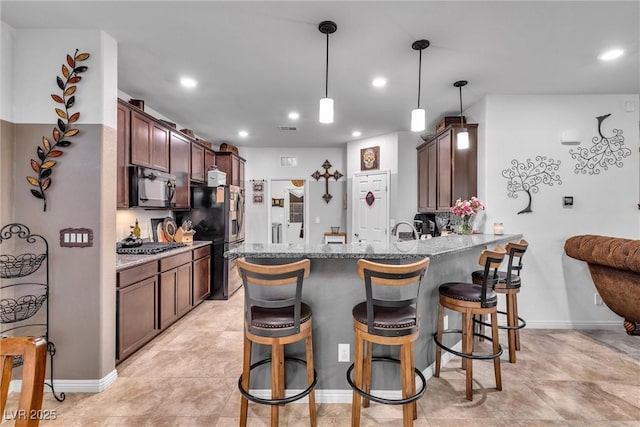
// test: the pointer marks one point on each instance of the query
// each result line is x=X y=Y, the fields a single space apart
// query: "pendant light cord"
x=326 y=73
x=461 y=120
x=419 y=74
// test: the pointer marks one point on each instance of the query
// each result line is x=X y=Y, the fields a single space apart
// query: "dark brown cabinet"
x=123 y=138
x=175 y=288
x=180 y=149
x=209 y=161
x=201 y=274
x=446 y=173
x=149 y=142
x=232 y=165
x=137 y=308
x=197 y=162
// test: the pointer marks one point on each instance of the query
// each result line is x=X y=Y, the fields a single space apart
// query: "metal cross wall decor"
x=326 y=175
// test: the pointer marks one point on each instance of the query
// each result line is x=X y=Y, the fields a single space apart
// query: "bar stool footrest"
x=282 y=401
x=488 y=356
x=521 y=322
x=382 y=400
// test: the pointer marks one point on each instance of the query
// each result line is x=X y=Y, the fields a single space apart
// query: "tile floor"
x=187 y=377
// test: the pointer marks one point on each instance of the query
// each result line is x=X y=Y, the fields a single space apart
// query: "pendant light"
x=418 y=115
x=326 y=103
x=463 y=135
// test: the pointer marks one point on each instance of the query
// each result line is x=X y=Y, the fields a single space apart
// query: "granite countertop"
x=127 y=261
x=432 y=248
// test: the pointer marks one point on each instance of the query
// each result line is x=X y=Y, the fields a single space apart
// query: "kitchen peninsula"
x=333 y=288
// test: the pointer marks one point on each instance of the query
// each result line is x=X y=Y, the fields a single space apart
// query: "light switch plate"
x=76 y=238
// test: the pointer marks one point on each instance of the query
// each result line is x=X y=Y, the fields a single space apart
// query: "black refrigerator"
x=217 y=214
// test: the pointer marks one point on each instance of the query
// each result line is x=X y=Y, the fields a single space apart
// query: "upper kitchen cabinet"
x=180 y=150
x=123 y=138
x=149 y=142
x=446 y=173
x=202 y=159
x=233 y=165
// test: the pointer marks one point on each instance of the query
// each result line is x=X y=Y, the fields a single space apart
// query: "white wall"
x=6 y=75
x=264 y=163
x=555 y=290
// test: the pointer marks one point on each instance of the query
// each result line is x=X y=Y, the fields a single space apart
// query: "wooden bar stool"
x=508 y=283
x=471 y=299
x=275 y=315
x=34 y=355
x=389 y=316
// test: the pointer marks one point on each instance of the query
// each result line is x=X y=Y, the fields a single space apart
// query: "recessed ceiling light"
x=188 y=82
x=379 y=82
x=611 y=54
x=243 y=134
x=356 y=133
x=294 y=115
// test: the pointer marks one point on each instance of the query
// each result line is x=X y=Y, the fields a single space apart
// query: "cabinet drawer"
x=136 y=274
x=200 y=252
x=174 y=261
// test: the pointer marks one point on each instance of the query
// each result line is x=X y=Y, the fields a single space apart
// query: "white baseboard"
x=570 y=324
x=75 y=386
x=344 y=396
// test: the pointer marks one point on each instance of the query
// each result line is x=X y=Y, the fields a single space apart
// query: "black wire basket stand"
x=24 y=289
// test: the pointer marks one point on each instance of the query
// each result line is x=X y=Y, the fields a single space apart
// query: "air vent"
x=287 y=128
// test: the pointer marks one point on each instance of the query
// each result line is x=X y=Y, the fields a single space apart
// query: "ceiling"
x=257 y=61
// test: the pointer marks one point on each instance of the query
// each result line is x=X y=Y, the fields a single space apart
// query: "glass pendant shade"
x=417 y=120
x=326 y=110
x=462 y=140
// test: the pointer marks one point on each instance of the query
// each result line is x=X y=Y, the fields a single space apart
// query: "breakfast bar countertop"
x=127 y=261
x=432 y=248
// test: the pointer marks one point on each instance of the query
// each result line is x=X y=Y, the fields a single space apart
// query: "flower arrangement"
x=465 y=209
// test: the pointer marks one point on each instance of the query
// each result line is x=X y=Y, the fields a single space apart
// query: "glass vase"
x=465 y=227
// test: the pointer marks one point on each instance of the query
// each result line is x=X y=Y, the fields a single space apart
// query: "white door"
x=371 y=208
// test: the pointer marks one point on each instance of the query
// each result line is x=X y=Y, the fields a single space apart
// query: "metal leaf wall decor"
x=605 y=151
x=527 y=176
x=67 y=84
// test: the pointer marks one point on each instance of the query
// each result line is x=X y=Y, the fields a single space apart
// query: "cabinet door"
x=140 y=139
x=241 y=173
x=223 y=161
x=122 y=173
x=432 y=176
x=168 y=292
x=444 y=171
x=159 y=147
x=137 y=315
x=180 y=167
x=184 y=299
x=464 y=183
x=235 y=170
x=209 y=161
x=201 y=279
x=197 y=162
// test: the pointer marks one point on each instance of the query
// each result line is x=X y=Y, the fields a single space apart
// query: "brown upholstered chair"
x=614 y=264
x=508 y=283
x=33 y=352
x=387 y=319
x=470 y=300
x=275 y=315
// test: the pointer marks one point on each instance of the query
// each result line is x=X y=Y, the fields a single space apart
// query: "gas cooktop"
x=148 y=248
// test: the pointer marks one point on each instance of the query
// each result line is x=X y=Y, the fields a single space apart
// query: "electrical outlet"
x=317 y=220
x=343 y=353
x=597 y=299
x=445 y=322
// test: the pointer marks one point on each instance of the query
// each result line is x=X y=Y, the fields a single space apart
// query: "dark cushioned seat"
x=386 y=317
x=278 y=317
x=478 y=275
x=468 y=292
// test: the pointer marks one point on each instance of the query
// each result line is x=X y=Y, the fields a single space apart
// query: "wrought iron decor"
x=604 y=152
x=326 y=175
x=527 y=176
x=45 y=163
x=26 y=281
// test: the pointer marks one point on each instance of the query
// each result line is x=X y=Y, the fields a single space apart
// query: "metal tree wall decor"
x=604 y=152
x=527 y=177
x=45 y=163
x=326 y=175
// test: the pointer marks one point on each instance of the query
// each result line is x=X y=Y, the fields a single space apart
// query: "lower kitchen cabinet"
x=201 y=274
x=153 y=295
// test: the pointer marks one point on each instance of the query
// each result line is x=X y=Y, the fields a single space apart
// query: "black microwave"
x=149 y=188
